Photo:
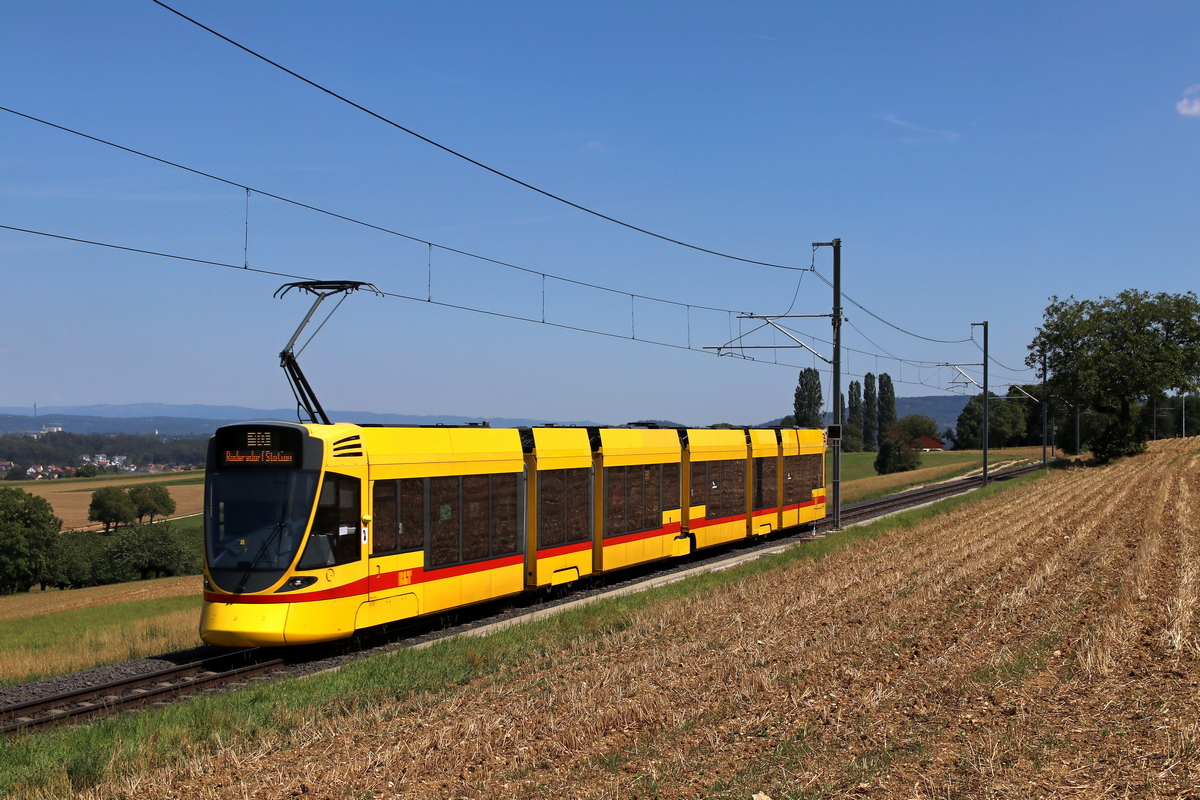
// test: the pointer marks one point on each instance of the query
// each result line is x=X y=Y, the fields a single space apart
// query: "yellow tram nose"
x=243 y=624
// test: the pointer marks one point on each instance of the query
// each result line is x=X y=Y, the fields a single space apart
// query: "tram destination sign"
x=271 y=448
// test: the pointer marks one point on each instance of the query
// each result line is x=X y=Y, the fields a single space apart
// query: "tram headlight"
x=298 y=582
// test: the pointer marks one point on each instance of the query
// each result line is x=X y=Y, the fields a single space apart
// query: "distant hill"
x=200 y=420
x=943 y=409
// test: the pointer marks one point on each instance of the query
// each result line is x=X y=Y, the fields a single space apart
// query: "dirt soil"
x=1039 y=643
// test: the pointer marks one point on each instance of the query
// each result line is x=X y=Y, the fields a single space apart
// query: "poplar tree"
x=808 y=399
x=887 y=406
x=869 y=412
x=855 y=417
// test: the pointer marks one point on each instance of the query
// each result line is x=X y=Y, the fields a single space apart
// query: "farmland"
x=1038 y=640
x=70 y=498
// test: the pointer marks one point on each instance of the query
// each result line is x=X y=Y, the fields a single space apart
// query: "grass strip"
x=62 y=642
x=62 y=762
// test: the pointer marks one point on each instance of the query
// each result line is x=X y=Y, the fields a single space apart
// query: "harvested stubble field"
x=70 y=498
x=1038 y=642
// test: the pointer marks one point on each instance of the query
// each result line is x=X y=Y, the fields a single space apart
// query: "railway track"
x=138 y=691
x=870 y=509
x=168 y=684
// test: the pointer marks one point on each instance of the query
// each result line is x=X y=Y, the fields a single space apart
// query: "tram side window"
x=765 y=474
x=578 y=500
x=652 y=495
x=670 y=486
x=399 y=516
x=699 y=487
x=614 y=501
x=715 y=482
x=387 y=521
x=636 y=516
x=443 y=521
x=412 y=514
x=476 y=522
x=792 y=480
x=632 y=498
x=551 y=518
x=812 y=472
x=504 y=514
x=726 y=488
x=470 y=518
x=334 y=538
x=564 y=505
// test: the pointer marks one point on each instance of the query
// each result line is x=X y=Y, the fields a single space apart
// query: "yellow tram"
x=314 y=531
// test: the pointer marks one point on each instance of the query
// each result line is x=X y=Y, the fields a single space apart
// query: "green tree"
x=968 y=429
x=1113 y=353
x=86 y=471
x=855 y=415
x=948 y=436
x=111 y=506
x=887 y=404
x=16 y=473
x=897 y=453
x=152 y=501
x=1006 y=423
x=916 y=426
x=808 y=400
x=869 y=410
x=851 y=438
x=28 y=540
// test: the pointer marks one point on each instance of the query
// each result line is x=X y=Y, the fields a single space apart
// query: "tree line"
x=34 y=551
x=1124 y=367
x=871 y=413
x=114 y=506
x=1122 y=359
x=63 y=449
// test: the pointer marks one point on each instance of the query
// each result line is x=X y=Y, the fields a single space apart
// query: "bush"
x=138 y=552
x=896 y=456
x=1118 y=440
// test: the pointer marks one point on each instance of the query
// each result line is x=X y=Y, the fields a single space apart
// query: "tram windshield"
x=254 y=522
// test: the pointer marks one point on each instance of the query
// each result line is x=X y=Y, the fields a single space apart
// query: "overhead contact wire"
x=866 y=310
x=242 y=268
x=352 y=220
x=467 y=158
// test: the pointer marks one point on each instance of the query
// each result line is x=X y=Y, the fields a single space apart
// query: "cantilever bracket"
x=306 y=399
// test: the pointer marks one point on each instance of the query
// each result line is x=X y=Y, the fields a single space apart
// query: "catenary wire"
x=866 y=310
x=468 y=159
x=992 y=358
x=344 y=218
x=486 y=259
x=442 y=304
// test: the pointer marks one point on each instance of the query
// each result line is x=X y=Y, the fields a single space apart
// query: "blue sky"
x=975 y=159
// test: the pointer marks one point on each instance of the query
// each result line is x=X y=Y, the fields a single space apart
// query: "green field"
x=856 y=466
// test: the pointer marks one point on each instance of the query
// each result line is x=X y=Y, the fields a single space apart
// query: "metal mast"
x=835 y=430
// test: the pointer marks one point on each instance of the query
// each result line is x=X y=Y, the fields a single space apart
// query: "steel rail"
x=132 y=692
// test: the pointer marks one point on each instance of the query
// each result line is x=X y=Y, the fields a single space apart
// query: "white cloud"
x=928 y=134
x=1190 y=107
